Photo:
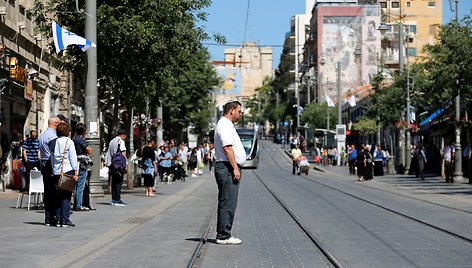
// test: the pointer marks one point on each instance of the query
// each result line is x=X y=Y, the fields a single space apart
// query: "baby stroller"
x=303 y=165
x=178 y=171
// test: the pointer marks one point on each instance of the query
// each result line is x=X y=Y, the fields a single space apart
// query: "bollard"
x=391 y=165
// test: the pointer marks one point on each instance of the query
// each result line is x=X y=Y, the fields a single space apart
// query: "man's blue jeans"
x=227 y=199
x=79 y=188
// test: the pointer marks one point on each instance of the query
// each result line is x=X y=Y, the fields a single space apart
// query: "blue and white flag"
x=64 y=38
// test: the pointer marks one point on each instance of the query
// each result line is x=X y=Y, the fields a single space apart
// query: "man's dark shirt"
x=32 y=147
x=80 y=145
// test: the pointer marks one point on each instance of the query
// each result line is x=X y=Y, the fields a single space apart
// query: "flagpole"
x=91 y=103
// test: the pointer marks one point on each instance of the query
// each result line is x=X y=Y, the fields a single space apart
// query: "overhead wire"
x=247 y=20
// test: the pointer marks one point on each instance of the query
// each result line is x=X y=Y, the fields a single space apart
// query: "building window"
x=383 y=4
x=395 y=4
x=408 y=4
x=411 y=28
x=431 y=4
x=411 y=52
x=22 y=10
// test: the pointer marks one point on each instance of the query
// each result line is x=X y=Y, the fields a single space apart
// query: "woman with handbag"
x=65 y=173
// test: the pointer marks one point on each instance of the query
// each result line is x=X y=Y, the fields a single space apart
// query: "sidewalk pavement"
x=155 y=231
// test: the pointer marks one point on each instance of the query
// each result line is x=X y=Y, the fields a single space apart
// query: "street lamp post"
x=297 y=47
x=458 y=176
x=408 y=111
x=91 y=104
x=340 y=142
x=405 y=151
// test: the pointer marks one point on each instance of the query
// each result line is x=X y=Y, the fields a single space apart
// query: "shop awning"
x=432 y=116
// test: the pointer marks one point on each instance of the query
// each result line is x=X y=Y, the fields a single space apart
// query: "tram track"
x=323 y=249
x=202 y=238
x=390 y=210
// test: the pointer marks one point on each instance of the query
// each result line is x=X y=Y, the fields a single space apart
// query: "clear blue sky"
x=269 y=21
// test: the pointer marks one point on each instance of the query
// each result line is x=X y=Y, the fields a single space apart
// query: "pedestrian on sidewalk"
x=183 y=155
x=116 y=177
x=448 y=158
x=83 y=156
x=229 y=156
x=193 y=162
x=352 y=156
x=46 y=170
x=30 y=156
x=296 y=154
x=421 y=160
x=360 y=163
x=378 y=161
x=63 y=160
x=149 y=170
x=369 y=164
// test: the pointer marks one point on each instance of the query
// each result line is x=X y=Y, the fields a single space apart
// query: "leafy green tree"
x=444 y=71
x=148 y=50
x=388 y=101
x=315 y=115
x=365 y=126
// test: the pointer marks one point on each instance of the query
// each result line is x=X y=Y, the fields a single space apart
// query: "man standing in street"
x=46 y=170
x=296 y=153
x=229 y=156
x=118 y=143
x=31 y=155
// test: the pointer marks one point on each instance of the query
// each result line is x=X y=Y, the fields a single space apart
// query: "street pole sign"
x=340 y=141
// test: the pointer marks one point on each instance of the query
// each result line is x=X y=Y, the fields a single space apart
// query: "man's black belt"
x=227 y=163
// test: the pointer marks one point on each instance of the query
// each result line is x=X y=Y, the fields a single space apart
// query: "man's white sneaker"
x=193 y=175
x=230 y=241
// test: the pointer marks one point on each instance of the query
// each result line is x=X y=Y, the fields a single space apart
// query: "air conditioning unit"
x=3 y=11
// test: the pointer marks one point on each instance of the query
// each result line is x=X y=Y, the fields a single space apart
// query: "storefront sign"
x=17 y=73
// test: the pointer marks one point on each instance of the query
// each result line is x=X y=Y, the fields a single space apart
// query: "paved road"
x=346 y=216
x=359 y=232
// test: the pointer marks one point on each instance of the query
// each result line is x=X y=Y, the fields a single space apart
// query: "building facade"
x=32 y=89
x=243 y=70
x=421 y=20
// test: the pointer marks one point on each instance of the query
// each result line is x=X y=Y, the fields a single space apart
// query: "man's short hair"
x=32 y=131
x=80 y=129
x=230 y=105
x=121 y=132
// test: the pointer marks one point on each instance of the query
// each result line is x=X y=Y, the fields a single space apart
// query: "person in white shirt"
x=183 y=155
x=229 y=157
x=449 y=153
x=115 y=180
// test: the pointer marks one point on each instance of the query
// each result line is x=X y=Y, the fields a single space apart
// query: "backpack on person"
x=118 y=162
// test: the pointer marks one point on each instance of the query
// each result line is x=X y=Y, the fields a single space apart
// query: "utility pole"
x=91 y=103
x=340 y=140
x=297 y=94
